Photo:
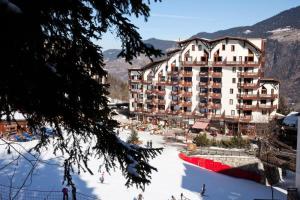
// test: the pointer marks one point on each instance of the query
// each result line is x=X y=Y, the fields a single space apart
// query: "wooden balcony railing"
x=267 y=107
x=246 y=118
x=236 y=63
x=185 y=83
x=186 y=73
x=185 y=94
x=136 y=90
x=216 y=85
x=268 y=96
x=203 y=84
x=203 y=94
x=138 y=110
x=194 y=63
x=161 y=102
x=214 y=106
x=248 y=74
x=185 y=104
x=247 y=96
x=174 y=93
x=246 y=107
x=203 y=73
x=136 y=80
x=216 y=74
x=248 y=85
x=215 y=95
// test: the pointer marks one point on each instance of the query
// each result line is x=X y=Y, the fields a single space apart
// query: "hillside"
x=282 y=32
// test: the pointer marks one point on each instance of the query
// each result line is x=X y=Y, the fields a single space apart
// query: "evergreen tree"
x=49 y=71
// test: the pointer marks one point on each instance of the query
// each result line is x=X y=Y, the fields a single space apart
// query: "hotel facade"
x=220 y=80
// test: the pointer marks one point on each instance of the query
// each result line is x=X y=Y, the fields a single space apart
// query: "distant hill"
x=282 y=32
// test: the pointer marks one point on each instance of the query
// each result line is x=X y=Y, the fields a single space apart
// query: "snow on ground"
x=280 y=30
x=174 y=176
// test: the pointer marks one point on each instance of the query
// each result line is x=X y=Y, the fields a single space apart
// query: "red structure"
x=221 y=168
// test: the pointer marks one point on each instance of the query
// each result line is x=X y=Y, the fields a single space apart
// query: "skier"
x=102 y=177
x=173 y=198
x=181 y=196
x=65 y=193
x=140 y=197
x=150 y=143
x=203 y=190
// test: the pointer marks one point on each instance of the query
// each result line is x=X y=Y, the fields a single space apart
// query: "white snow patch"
x=247 y=31
x=280 y=30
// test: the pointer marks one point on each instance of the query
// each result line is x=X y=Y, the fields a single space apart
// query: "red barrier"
x=221 y=168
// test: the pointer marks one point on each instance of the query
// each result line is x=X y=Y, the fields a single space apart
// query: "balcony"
x=215 y=116
x=174 y=93
x=173 y=72
x=248 y=85
x=203 y=73
x=193 y=63
x=136 y=80
x=161 y=102
x=185 y=104
x=161 y=83
x=231 y=118
x=246 y=118
x=186 y=73
x=267 y=107
x=160 y=92
x=136 y=90
x=203 y=84
x=203 y=94
x=246 y=107
x=215 y=85
x=216 y=74
x=150 y=91
x=185 y=94
x=214 y=106
x=202 y=105
x=268 y=96
x=147 y=82
x=185 y=83
x=248 y=74
x=247 y=96
x=236 y=63
x=215 y=95
x=173 y=102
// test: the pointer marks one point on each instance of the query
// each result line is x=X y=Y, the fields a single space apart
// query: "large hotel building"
x=221 y=80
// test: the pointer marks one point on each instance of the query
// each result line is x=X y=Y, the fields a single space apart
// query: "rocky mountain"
x=282 y=32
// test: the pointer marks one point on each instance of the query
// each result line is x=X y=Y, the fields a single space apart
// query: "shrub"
x=201 y=140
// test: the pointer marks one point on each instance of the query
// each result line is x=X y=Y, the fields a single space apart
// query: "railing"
x=186 y=94
x=202 y=105
x=136 y=80
x=203 y=73
x=205 y=84
x=203 y=94
x=268 y=96
x=215 y=95
x=169 y=82
x=173 y=72
x=216 y=74
x=137 y=100
x=185 y=83
x=245 y=118
x=185 y=104
x=248 y=74
x=264 y=106
x=136 y=90
x=161 y=102
x=186 y=73
x=248 y=85
x=194 y=63
x=247 y=96
x=236 y=63
x=214 y=106
x=216 y=85
x=246 y=107
x=174 y=92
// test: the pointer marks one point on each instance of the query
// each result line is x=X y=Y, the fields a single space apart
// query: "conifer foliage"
x=49 y=71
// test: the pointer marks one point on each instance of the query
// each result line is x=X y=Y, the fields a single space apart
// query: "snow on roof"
x=291 y=119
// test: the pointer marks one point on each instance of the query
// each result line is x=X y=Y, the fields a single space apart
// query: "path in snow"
x=173 y=177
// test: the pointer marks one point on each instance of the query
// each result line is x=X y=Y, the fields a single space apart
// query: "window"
x=233 y=80
x=132 y=95
x=193 y=47
x=231 y=91
x=234 y=69
x=234 y=58
x=199 y=48
x=231 y=101
x=223 y=47
x=232 y=48
x=232 y=112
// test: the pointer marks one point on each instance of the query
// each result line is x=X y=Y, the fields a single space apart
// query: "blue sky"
x=174 y=19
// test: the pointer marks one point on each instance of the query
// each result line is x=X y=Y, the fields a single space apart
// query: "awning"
x=200 y=125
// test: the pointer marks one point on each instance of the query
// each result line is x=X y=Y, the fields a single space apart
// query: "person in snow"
x=150 y=143
x=203 y=190
x=173 y=198
x=181 y=196
x=65 y=193
x=102 y=177
x=140 y=197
